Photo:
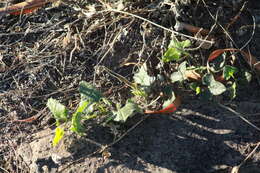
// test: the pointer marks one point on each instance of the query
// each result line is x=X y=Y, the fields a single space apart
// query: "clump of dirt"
x=47 y=53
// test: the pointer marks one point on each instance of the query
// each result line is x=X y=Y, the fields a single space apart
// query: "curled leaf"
x=194 y=86
x=170 y=100
x=130 y=108
x=172 y=107
x=76 y=125
x=250 y=59
x=192 y=74
x=217 y=64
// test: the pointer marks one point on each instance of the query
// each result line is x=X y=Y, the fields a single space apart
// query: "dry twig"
x=24 y=7
x=239 y=115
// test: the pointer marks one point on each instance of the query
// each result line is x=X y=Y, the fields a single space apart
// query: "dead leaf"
x=251 y=60
x=192 y=74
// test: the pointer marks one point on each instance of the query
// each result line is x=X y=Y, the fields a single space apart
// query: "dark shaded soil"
x=47 y=53
x=198 y=138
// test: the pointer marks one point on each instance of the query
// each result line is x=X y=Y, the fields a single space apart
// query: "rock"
x=37 y=153
x=41 y=157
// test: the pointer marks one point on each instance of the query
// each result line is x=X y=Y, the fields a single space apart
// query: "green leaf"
x=139 y=92
x=83 y=105
x=215 y=87
x=142 y=77
x=76 y=125
x=179 y=44
x=198 y=90
x=88 y=92
x=175 y=50
x=195 y=87
x=172 y=54
x=58 y=110
x=126 y=111
x=229 y=72
x=184 y=44
x=180 y=74
x=59 y=133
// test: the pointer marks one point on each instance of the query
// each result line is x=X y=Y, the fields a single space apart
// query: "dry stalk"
x=236 y=169
x=240 y=116
x=160 y=26
x=20 y=7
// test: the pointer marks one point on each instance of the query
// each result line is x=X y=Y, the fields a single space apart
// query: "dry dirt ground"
x=45 y=54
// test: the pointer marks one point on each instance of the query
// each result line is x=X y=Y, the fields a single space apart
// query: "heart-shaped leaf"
x=58 y=110
x=180 y=75
x=130 y=108
x=172 y=54
x=143 y=79
x=175 y=50
x=215 y=87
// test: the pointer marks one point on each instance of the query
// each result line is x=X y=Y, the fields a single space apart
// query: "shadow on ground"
x=198 y=138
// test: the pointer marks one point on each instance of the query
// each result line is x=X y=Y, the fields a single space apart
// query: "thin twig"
x=250 y=155
x=159 y=26
x=235 y=169
x=234 y=19
x=239 y=115
x=252 y=34
x=224 y=30
x=3 y=169
x=75 y=47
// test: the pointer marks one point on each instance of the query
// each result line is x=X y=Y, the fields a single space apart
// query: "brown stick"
x=20 y=7
x=191 y=28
